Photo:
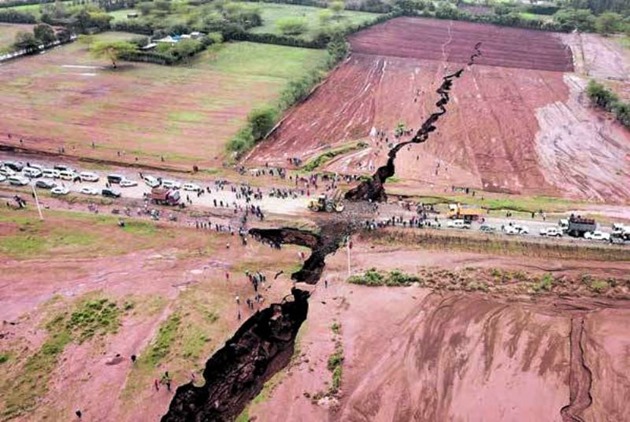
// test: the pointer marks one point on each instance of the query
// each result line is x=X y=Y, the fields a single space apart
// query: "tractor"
x=323 y=203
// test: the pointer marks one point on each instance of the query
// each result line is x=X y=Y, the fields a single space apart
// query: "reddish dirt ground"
x=454 y=42
x=521 y=131
x=415 y=355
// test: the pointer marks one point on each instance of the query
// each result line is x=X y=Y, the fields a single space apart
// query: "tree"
x=187 y=48
x=580 y=19
x=622 y=111
x=261 y=121
x=601 y=96
x=112 y=50
x=26 y=41
x=337 y=7
x=292 y=26
x=608 y=23
x=44 y=33
x=325 y=16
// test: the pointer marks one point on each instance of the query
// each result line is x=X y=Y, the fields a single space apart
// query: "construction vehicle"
x=163 y=196
x=578 y=226
x=324 y=203
x=457 y=212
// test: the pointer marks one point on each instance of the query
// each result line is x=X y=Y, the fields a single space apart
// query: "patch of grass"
x=526 y=204
x=599 y=286
x=329 y=155
x=161 y=345
x=336 y=327
x=88 y=318
x=244 y=416
x=4 y=358
x=373 y=277
x=546 y=283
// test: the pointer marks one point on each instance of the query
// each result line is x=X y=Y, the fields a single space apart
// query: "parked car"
x=7 y=172
x=32 y=173
x=35 y=166
x=597 y=235
x=151 y=181
x=115 y=178
x=191 y=187
x=51 y=173
x=126 y=183
x=171 y=184
x=14 y=165
x=18 y=181
x=63 y=167
x=89 y=191
x=88 y=176
x=551 y=232
x=110 y=193
x=487 y=229
x=2 y=178
x=68 y=175
x=431 y=224
x=45 y=184
x=458 y=224
x=60 y=190
x=515 y=229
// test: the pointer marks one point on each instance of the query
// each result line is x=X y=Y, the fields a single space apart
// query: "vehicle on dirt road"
x=171 y=184
x=151 y=181
x=110 y=193
x=18 y=181
x=63 y=167
x=2 y=178
x=163 y=196
x=597 y=235
x=45 y=184
x=487 y=229
x=89 y=191
x=7 y=172
x=14 y=165
x=32 y=173
x=551 y=232
x=88 y=176
x=51 y=173
x=193 y=187
x=69 y=175
x=115 y=178
x=60 y=190
x=513 y=229
x=458 y=224
x=618 y=229
x=431 y=224
x=579 y=226
x=126 y=183
x=324 y=203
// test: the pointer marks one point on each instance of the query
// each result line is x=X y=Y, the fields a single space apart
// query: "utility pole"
x=39 y=208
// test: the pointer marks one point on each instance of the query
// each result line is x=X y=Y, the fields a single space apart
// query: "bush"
x=12 y=16
x=261 y=121
x=292 y=26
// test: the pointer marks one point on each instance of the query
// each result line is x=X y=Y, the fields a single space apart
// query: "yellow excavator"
x=324 y=203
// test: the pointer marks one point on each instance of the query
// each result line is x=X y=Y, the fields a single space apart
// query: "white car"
x=32 y=172
x=2 y=178
x=521 y=229
x=68 y=175
x=18 y=181
x=89 y=191
x=51 y=173
x=171 y=184
x=597 y=235
x=60 y=190
x=516 y=229
x=551 y=232
x=6 y=171
x=151 y=181
x=458 y=224
x=191 y=187
x=88 y=176
x=126 y=183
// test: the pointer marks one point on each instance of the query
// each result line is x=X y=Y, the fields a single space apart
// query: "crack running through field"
x=264 y=344
x=580 y=375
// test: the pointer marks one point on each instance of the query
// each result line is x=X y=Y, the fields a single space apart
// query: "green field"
x=121 y=15
x=272 y=12
x=533 y=16
x=185 y=114
x=7 y=35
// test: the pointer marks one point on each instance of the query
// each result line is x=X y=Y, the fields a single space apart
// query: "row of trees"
x=42 y=35
x=609 y=101
x=293 y=26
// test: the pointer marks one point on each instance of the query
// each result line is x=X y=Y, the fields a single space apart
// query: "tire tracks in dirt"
x=580 y=375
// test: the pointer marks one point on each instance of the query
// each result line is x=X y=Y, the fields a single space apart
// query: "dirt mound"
x=453 y=41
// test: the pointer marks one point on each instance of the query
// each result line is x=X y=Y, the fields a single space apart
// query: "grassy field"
x=121 y=15
x=272 y=12
x=185 y=114
x=7 y=35
x=533 y=16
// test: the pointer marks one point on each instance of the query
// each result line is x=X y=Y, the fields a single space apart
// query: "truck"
x=458 y=212
x=324 y=203
x=578 y=226
x=162 y=196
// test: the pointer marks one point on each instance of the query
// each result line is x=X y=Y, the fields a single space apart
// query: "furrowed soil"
x=519 y=121
x=415 y=354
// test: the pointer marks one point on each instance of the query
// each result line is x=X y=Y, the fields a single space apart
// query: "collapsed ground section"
x=453 y=41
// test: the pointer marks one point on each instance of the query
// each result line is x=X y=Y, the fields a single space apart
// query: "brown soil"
x=411 y=354
x=513 y=130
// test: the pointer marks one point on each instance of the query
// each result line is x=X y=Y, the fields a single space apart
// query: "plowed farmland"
x=517 y=122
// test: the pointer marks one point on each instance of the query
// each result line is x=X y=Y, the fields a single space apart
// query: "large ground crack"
x=580 y=376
